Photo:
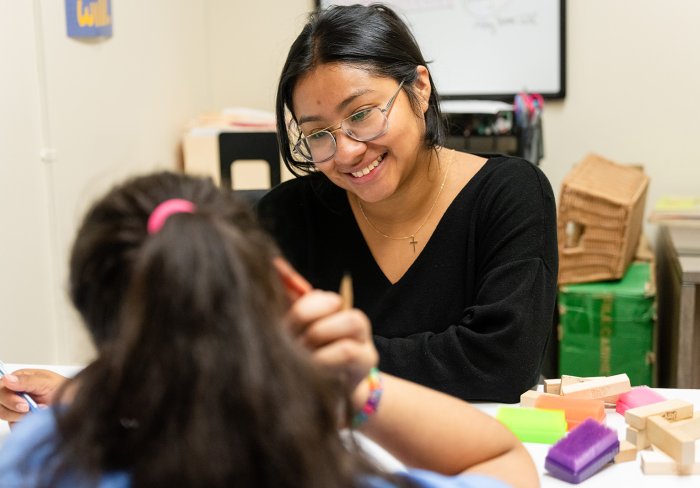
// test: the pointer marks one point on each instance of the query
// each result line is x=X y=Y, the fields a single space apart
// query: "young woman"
x=207 y=375
x=453 y=256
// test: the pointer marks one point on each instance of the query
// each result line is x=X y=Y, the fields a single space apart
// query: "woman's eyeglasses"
x=364 y=125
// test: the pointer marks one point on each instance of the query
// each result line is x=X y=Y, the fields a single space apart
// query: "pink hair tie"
x=164 y=210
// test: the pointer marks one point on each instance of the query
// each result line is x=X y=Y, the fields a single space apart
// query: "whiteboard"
x=487 y=48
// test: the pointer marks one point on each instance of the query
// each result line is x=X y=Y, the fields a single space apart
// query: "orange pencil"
x=294 y=283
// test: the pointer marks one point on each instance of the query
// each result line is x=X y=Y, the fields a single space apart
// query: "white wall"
x=632 y=95
x=247 y=45
x=26 y=281
x=107 y=109
x=117 y=107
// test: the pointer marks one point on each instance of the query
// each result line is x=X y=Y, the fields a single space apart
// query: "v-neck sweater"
x=471 y=316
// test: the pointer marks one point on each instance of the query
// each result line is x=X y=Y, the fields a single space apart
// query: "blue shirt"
x=26 y=454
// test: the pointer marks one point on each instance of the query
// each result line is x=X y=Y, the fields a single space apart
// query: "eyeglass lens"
x=363 y=126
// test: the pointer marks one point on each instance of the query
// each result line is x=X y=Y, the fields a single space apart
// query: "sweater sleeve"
x=494 y=348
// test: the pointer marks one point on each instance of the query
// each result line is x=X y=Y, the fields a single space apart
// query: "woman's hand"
x=40 y=384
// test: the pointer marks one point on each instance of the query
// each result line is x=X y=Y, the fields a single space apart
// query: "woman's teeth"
x=368 y=169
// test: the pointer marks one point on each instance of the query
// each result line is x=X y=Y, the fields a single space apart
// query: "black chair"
x=235 y=146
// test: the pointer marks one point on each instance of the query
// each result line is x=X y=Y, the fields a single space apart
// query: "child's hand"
x=337 y=338
x=40 y=384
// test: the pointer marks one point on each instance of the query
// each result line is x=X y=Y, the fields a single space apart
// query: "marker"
x=32 y=404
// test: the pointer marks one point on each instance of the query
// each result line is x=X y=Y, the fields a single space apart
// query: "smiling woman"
x=453 y=256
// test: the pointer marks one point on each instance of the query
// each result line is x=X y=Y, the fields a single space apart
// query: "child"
x=199 y=382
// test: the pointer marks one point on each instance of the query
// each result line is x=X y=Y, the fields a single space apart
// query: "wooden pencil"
x=346 y=291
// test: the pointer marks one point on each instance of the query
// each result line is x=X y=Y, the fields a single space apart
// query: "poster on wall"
x=89 y=18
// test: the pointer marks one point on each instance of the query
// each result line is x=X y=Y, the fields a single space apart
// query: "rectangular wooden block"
x=567 y=379
x=606 y=388
x=552 y=386
x=670 y=410
x=638 y=438
x=657 y=462
x=528 y=398
x=628 y=452
x=676 y=439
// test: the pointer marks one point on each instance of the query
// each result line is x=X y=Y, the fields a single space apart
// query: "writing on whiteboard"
x=492 y=15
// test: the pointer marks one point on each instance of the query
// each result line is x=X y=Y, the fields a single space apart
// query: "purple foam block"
x=583 y=452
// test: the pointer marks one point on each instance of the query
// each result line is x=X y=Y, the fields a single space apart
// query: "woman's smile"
x=368 y=169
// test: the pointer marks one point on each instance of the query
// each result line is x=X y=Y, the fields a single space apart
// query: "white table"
x=614 y=475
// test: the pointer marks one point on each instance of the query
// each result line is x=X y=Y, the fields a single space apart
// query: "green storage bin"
x=607 y=328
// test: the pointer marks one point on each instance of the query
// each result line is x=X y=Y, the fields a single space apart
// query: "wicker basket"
x=601 y=209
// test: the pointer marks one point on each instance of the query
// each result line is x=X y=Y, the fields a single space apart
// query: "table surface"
x=624 y=474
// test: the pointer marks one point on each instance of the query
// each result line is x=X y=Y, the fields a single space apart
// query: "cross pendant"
x=413 y=242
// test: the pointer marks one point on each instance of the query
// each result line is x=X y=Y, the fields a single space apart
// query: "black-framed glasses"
x=364 y=125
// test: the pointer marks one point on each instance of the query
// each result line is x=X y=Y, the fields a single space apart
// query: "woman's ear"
x=422 y=87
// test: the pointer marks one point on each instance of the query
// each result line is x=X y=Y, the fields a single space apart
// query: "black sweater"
x=472 y=315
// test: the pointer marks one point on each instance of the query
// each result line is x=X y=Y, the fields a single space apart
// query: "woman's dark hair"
x=372 y=38
x=196 y=382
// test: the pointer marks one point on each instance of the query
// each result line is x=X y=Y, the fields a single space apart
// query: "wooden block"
x=676 y=439
x=638 y=438
x=567 y=379
x=599 y=388
x=670 y=410
x=571 y=380
x=657 y=462
x=528 y=398
x=628 y=452
x=552 y=386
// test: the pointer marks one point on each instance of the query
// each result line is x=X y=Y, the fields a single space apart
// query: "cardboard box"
x=599 y=221
x=607 y=328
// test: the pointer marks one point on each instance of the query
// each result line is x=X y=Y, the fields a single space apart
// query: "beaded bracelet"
x=375 y=394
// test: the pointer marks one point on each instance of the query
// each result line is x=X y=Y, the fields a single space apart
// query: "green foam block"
x=534 y=424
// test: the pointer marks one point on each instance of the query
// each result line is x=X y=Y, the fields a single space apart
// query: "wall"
x=633 y=75
x=26 y=280
x=247 y=45
x=105 y=109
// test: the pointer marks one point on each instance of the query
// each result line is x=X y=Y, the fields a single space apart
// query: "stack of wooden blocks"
x=665 y=434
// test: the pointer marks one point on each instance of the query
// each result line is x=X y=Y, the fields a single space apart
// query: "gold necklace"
x=411 y=236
